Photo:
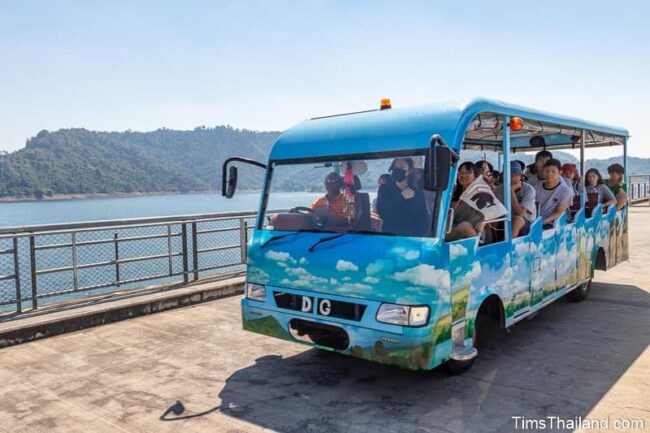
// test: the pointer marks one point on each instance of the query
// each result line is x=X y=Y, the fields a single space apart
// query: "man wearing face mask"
x=400 y=204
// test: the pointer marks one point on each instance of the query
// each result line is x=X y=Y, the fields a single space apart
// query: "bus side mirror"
x=437 y=167
x=229 y=184
x=229 y=174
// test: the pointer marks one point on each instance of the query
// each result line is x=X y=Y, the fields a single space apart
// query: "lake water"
x=52 y=212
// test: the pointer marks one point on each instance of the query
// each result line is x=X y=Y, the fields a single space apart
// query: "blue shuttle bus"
x=330 y=264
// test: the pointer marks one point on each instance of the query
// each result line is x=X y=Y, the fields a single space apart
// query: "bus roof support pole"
x=625 y=177
x=507 y=188
x=583 y=195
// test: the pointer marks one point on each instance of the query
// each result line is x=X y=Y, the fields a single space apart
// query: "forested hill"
x=78 y=161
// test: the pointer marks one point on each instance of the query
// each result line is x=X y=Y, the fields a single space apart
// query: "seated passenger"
x=537 y=172
x=400 y=204
x=383 y=180
x=594 y=187
x=486 y=169
x=332 y=207
x=616 y=184
x=572 y=176
x=498 y=178
x=553 y=195
x=467 y=222
x=529 y=172
x=522 y=201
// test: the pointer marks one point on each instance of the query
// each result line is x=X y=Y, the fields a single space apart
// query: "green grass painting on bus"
x=401 y=270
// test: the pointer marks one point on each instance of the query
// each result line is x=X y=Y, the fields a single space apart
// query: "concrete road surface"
x=588 y=360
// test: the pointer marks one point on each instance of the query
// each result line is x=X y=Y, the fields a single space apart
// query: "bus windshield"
x=382 y=195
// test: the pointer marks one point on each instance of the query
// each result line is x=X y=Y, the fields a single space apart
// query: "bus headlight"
x=256 y=292
x=403 y=314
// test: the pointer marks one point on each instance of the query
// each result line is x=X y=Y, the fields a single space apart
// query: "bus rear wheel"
x=580 y=293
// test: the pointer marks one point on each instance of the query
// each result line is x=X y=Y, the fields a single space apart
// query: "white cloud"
x=405 y=254
x=378 y=267
x=412 y=255
x=354 y=287
x=303 y=261
x=425 y=275
x=256 y=275
x=280 y=256
x=343 y=265
x=371 y=280
x=456 y=251
x=466 y=279
x=522 y=248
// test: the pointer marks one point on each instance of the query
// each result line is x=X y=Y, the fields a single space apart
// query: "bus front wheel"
x=580 y=293
x=454 y=366
x=487 y=325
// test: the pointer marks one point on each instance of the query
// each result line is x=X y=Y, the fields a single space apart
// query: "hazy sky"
x=141 y=65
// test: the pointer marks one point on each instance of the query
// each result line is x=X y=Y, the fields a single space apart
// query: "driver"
x=333 y=202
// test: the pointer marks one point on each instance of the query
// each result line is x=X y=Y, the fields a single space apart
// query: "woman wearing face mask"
x=467 y=222
x=400 y=204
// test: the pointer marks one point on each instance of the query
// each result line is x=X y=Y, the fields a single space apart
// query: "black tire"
x=458 y=367
x=455 y=367
x=580 y=293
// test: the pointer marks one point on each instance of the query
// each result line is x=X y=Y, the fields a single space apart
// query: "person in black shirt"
x=401 y=204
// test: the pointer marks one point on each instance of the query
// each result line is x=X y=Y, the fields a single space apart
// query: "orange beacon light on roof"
x=516 y=123
x=385 y=104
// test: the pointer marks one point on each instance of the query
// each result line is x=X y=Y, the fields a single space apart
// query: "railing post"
x=195 y=252
x=32 y=257
x=169 y=249
x=243 y=239
x=184 y=239
x=75 y=282
x=116 y=245
x=19 y=306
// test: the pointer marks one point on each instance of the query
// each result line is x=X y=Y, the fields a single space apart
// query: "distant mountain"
x=78 y=161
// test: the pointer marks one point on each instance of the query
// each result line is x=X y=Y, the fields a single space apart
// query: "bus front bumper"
x=421 y=348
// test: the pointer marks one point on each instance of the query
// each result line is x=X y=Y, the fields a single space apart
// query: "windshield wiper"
x=282 y=236
x=325 y=239
x=276 y=237
x=338 y=235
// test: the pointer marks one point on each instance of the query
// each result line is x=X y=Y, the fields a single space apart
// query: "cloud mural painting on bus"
x=400 y=270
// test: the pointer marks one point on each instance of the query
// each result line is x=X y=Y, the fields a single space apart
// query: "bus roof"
x=411 y=128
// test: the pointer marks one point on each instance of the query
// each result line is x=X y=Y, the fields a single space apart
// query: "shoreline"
x=95 y=195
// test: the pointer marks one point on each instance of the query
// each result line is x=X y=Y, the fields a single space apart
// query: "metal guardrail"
x=60 y=260
x=639 y=188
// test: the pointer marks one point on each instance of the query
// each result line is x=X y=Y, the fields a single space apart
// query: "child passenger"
x=522 y=201
x=553 y=195
x=616 y=184
x=594 y=185
x=571 y=175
